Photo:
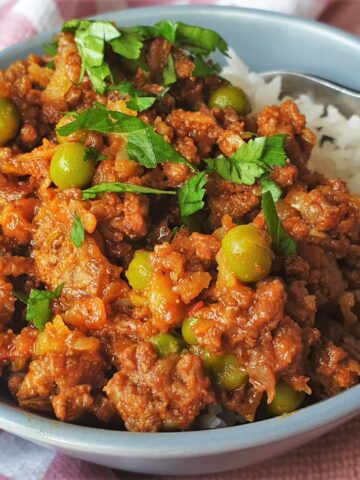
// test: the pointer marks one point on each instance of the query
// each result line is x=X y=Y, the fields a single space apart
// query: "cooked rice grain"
x=337 y=153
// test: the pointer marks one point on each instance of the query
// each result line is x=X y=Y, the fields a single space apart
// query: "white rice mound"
x=337 y=153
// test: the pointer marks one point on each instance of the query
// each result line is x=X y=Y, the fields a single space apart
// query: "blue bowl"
x=266 y=41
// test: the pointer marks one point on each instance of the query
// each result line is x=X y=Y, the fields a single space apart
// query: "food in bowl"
x=169 y=261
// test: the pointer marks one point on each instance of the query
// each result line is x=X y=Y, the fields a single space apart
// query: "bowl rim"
x=318 y=416
x=307 y=24
x=109 y=443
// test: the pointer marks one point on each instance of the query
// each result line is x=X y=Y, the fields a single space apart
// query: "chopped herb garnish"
x=163 y=93
x=251 y=161
x=175 y=230
x=204 y=68
x=91 y=38
x=165 y=29
x=129 y=45
x=140 y=103
x=51 y=65
x=274 y=151
x=77 y=232
x=198 y=40
x=51 y=48
x=119 y=187
x=92 y=154
x=143 y=143
x=281 y=242
x=138 y=100
x=236 y=171
x=268 y=185
x=169 y=74
x=191 y=195
x=38 y=303
x=21 y=296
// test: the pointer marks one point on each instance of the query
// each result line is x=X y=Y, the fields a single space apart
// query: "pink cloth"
x=334 y=456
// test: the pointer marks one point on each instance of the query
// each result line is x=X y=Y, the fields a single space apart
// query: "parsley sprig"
x=251 y=161
x=143 y=143
x=77 y=232
x=91 y=37
x=169 y=74
x=191 y=195
x=197 y=40
x=138 y=100
x=119 y=187
x=91 y=153
x=281 y=242
x=38 y=303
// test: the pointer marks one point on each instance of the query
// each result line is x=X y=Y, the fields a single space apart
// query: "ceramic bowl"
x=266 y=41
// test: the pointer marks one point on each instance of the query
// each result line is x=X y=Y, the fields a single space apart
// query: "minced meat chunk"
x=153 y=394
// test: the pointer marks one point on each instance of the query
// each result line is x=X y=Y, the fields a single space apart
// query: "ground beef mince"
x=143 y=286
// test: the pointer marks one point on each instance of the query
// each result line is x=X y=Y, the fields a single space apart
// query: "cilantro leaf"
x=91 y=38
x=138 y=101
x=169 y=74
x=281 y=242
x=233 y=171
x=77 y=232
x=268 y=185
x=38 y=308
x=204 y=69
x=103 y=29
x=21 y=296
x=274 y=151
x=199 y=40
x=51 y=48
x=191 y=195
x=128 y=46
x=165 y=29
x=251 y=151
x=92 y=154
x=75 y=24
x=251 y=161
x=143 y=143
x=91 y=45
x=175 y=230
x=119 y=187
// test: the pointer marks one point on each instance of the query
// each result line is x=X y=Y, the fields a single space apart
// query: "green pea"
x=210 y=359
x=68 y=167
x=229 y=96
x=187 y=330
x=166 y=344
x=286 y=399
x=140 y=271
x=9 y=121
x=247 y=253
x=230 y=374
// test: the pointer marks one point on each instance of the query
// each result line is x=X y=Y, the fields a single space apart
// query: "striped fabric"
x=20 y=19
x=333 y=457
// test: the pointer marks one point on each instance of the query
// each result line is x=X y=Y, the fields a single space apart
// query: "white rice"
x=337 y=153
x=336 y=156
